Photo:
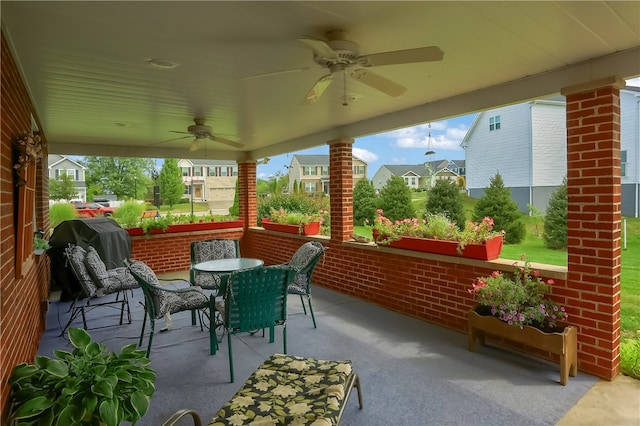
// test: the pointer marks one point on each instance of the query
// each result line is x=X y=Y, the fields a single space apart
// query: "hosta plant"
x=89 y=385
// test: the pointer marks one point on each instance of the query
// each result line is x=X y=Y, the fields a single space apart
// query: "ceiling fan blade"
x=320 y=48
x=171 y=140
x=183 y=133
x=318 y=89
x=269 y=74
x=378 y=82
x=420 y=54
x=196 y=144
x=226 y=141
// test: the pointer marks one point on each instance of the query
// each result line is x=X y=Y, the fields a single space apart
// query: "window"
x=69 y=172
x=358 y=169
x=623 y=163
x=185 y=171
x=310 y=186
x=234 y=169
x=494 y=123
x=197 y=171
x=325 y=171
x=309 y=170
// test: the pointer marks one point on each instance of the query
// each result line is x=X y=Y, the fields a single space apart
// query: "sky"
x=403 y=146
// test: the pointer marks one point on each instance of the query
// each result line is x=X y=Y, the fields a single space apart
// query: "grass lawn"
x=185 y=208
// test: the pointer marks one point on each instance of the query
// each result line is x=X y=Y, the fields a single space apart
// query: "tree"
x=234 y=210
x=498 y=205
x=118 y=175
x=444 y=198
x=364 y=202
x=555 y=224
x=395 y=199
x=171 y=186
x=63 y=188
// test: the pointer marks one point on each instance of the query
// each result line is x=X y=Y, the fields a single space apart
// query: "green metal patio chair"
x=161 y=301
x=254 y=299
x=212 y=249
x=304 y=262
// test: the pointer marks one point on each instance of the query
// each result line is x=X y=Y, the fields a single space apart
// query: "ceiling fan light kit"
x=200 y=131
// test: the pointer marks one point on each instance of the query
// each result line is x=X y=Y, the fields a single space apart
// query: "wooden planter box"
x=490 y=250
x=563 y=343
x=189 y=227
x=312 y=228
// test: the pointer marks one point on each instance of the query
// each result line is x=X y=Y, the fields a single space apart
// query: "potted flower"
x=517 y=308
x=294 y=222
x=437 y=234
x=40 y=245
x=89 y=385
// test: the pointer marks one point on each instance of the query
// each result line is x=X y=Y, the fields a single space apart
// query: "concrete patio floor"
x=412 y=373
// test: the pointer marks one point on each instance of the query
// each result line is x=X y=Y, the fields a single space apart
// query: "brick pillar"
x=593 y=225
x=247 y=193
x=341 y=188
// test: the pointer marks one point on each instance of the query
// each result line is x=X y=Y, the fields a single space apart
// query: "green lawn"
x=185 y=208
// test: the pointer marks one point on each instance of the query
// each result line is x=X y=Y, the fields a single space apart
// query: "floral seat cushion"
x=210 y=250
x=111 y=280
x=288 y=390
x=76 y=256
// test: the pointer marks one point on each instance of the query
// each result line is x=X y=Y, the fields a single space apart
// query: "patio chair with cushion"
x=161 y=301
x=96 y=281
x=304 y=262
x=202 y=251
x=254 y=299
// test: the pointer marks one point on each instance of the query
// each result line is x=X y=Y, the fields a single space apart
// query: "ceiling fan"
x=341 y=55
x=202 y=132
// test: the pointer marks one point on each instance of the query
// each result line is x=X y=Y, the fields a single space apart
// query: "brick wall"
x=593 y=157
x=171 y=252
x=23 y=299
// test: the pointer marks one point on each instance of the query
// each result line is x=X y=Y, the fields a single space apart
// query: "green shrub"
x=299 y=202
x=498 y=205
x=60 y=212
x=364 y=202
x=395 y=199
x=555 y=224
x=128 y=215
x=630 y=358
x=444 y=198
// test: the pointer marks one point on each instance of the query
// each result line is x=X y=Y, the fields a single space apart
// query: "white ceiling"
x=87 y=68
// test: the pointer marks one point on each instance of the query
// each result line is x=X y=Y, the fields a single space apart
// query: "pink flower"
x=495 y=274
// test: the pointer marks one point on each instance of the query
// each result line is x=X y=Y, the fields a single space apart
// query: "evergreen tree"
x=364 y=202
x=171 y=186
x=63 y=188
x=498 y=205
x=234 y=210
x=395 y=199
x=555 y=224
x=444 y=198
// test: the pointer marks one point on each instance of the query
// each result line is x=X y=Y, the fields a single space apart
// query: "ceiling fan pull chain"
x=344 y=99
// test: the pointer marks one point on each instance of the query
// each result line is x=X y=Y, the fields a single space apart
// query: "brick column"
x=593 y=225
x=341 y=188
x=247 y=197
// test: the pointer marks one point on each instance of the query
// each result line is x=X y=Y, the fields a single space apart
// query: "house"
x=61 y=164
x=421 y=175
x=526 y=144
x=312 y=171
x=210 y=180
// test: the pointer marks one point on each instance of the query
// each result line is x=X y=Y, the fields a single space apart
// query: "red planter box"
x=189 y=227
x=490 y=250
x=311 y=229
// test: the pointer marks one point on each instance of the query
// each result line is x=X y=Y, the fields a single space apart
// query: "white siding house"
x=421 y=175
x=61 y=164
x=213 y=181
x=529 y=150
x=312 y=172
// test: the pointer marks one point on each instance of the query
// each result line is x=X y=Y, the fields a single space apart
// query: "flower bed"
x=489 y=250
x=188 y=227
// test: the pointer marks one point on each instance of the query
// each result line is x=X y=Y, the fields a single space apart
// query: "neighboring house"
x=313 y=172
x=421 y=175
x=210 y=180
x=60 y=164
x=526 y=144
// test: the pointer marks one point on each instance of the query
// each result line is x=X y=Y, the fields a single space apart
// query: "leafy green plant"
x=630 y=358
x=60 y=212
x=444 y=198
x=128 y=215
x=555 y=224
x=41 y=244
x=89 y=385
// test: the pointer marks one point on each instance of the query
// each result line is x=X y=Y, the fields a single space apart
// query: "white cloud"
x=365 y=155
x=397 y=160
x=442 y=136
x=634 y=82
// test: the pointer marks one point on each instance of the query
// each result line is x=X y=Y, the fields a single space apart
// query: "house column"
x=593 y=224
x=247 y=198
x=341 y=188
